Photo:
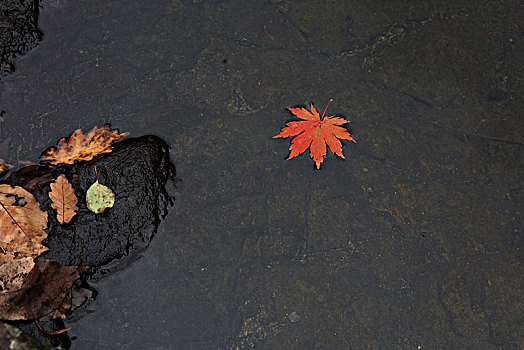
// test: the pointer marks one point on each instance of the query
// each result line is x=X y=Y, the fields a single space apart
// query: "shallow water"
x=411 y=241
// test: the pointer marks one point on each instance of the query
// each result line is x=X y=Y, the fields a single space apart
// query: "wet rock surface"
x=412 y=241
x=137 y=171
x=19 y=32
x=13 y=338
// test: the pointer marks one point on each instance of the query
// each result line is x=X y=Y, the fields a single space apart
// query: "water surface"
x=411 y=242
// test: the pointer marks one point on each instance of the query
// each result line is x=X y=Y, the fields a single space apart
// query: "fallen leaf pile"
x=27 y=290
x=315 y=132
x=64 y=200
x=82 y=147
x=23 y=225
x=46 y=290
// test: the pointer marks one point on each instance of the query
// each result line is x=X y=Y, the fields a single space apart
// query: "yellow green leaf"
x=99 y=197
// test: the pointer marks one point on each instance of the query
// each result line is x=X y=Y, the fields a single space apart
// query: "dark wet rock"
x=13 y=338
x=18 y=31
x=138 y=171
x=37 y=338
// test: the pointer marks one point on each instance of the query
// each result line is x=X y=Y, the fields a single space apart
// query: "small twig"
x=51 y=332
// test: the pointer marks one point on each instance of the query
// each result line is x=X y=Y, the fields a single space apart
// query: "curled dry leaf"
x=81 y=146
x=64 y=200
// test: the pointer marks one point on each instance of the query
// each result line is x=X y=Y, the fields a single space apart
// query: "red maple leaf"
x=315 y=132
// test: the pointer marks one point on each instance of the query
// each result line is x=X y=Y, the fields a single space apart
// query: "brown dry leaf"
x=82 y=147
x=22 y=222
x=14 y=273
x=27 y=290
x=64 y=200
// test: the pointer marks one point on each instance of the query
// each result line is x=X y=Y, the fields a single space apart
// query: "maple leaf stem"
x=330 y=100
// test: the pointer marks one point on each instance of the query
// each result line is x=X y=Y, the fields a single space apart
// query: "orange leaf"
x=82 y=147
x=64 y=200
x=315 y=132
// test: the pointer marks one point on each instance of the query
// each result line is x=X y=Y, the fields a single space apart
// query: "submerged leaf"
x=99 y=197
x=45 y=293
x=64 y=200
